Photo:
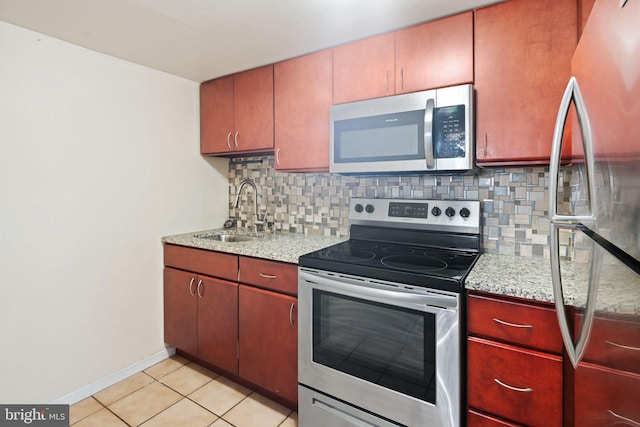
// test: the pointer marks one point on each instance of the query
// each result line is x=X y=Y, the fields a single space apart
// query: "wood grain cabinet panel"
x=303 y=96
x=529 y=325
x=364 y=69
x=523 y=51
x=181 y=310
x=236 y=113
x=478 y=419
x=272 y=275
x=435 y=54
x=606 y=397
x=215 y=264
x=269 y=341
x=516 y=384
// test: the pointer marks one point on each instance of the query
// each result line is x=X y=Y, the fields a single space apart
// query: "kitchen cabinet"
x=200 y=312
x=523 y=51
x=269 y=341
x=435 y=54
x=426 y=56
x=236 y=113
x=302 y=98
x=236 y=313
x=510 y=343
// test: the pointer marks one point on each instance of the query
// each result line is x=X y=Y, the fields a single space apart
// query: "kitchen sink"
x=228 y=237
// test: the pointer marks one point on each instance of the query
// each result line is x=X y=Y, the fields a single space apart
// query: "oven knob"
x=369 y=208
x=436 y=211
x=358 y=208
x=464 y=213
x=450 y=212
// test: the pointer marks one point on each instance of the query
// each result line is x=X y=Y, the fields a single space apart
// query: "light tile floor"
x=176 y=392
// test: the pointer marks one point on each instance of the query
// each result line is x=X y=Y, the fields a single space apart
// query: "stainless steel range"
x=380 y=318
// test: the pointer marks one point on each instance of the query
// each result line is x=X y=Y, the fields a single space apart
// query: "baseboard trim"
x=93 y=388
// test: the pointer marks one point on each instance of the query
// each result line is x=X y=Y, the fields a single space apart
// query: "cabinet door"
x=253 y=110
x=303 y=97
x=606 y=397
x=269 y=341
x=435 y=54
x=180 y=310
x=364 y=69
x=218 y=323
x=216 y=116
x=523 y=51
x=520 y=385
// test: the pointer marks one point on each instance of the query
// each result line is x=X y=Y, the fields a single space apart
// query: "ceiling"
x=203 y=39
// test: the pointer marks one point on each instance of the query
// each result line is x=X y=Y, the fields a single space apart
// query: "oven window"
x=383 y=344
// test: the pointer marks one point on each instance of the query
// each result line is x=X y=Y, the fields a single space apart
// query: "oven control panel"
x=447 y=215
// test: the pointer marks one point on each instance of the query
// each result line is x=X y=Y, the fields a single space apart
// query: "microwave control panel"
x=449 y=132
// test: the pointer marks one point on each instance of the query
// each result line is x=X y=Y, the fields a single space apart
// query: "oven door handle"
x=401 y=297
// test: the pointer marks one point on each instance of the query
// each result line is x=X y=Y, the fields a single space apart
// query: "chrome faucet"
x=249 y=182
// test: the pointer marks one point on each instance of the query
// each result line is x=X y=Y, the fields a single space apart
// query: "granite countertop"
x=281 y=246
x=530 y=278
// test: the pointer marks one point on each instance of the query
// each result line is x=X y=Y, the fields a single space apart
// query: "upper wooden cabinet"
x=364 y=69
x=431 y=55
x=236 y=113
x=435 y=54
x=302 y=98
x=523 y=51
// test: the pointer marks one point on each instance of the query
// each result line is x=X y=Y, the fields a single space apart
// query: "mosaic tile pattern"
x=514 y=201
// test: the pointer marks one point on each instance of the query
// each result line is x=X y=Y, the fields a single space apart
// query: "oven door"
x=388 y=349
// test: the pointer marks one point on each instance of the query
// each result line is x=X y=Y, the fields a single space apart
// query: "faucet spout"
x=252 y=184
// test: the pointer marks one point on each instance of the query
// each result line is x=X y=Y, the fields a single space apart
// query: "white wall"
x=98 y=159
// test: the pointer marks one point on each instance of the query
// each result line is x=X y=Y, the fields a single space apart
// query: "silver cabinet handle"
x=428 y=133
x=267 y=276
x=513 y=325
x=625 y=419
x=228 y=140
x=191 y=287
x=485 y=144
x=572 y=92
x=518 y=389
x=198 y=289
x=293 y=304
x=278 y=156
x=626 y=347
x=235 y=139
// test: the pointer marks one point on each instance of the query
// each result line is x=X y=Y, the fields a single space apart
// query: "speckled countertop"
x=530 y=278
x=282 y=246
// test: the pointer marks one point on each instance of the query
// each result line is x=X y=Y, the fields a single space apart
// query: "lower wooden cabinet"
x=516 y=384
x=268 y=340
x=201 y=317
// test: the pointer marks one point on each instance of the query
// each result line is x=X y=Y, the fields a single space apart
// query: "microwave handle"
x=428 y=133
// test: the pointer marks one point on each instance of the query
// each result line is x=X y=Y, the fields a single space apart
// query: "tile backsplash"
x=514 y=201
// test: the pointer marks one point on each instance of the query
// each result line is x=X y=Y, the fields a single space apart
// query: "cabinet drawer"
x=606 y=397
x=514 y=322
x=477 y=419
x=531 y=389
x=215 y=264
x=277 y=276
x=614 y=342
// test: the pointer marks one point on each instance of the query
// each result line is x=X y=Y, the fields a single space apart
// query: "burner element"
x=348 y=254
x=414 y=263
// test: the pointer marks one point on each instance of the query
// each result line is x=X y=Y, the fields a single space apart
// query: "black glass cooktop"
x=411 y=264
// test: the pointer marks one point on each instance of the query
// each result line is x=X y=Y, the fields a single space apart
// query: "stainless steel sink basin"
x=229 y=238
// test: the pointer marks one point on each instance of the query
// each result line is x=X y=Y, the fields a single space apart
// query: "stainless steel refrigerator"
x=595 y=219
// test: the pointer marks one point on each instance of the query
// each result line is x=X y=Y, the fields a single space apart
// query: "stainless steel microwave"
x=429 y=131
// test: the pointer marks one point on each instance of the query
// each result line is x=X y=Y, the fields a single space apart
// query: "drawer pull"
x=293 y=304
x=191 y=287
x=626 y=347
x=513 y=325
x=521 y=390
x=625 y=419
x=267 y=276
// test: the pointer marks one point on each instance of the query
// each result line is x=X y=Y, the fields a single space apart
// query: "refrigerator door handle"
x=575 y=350
x=571 y=93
